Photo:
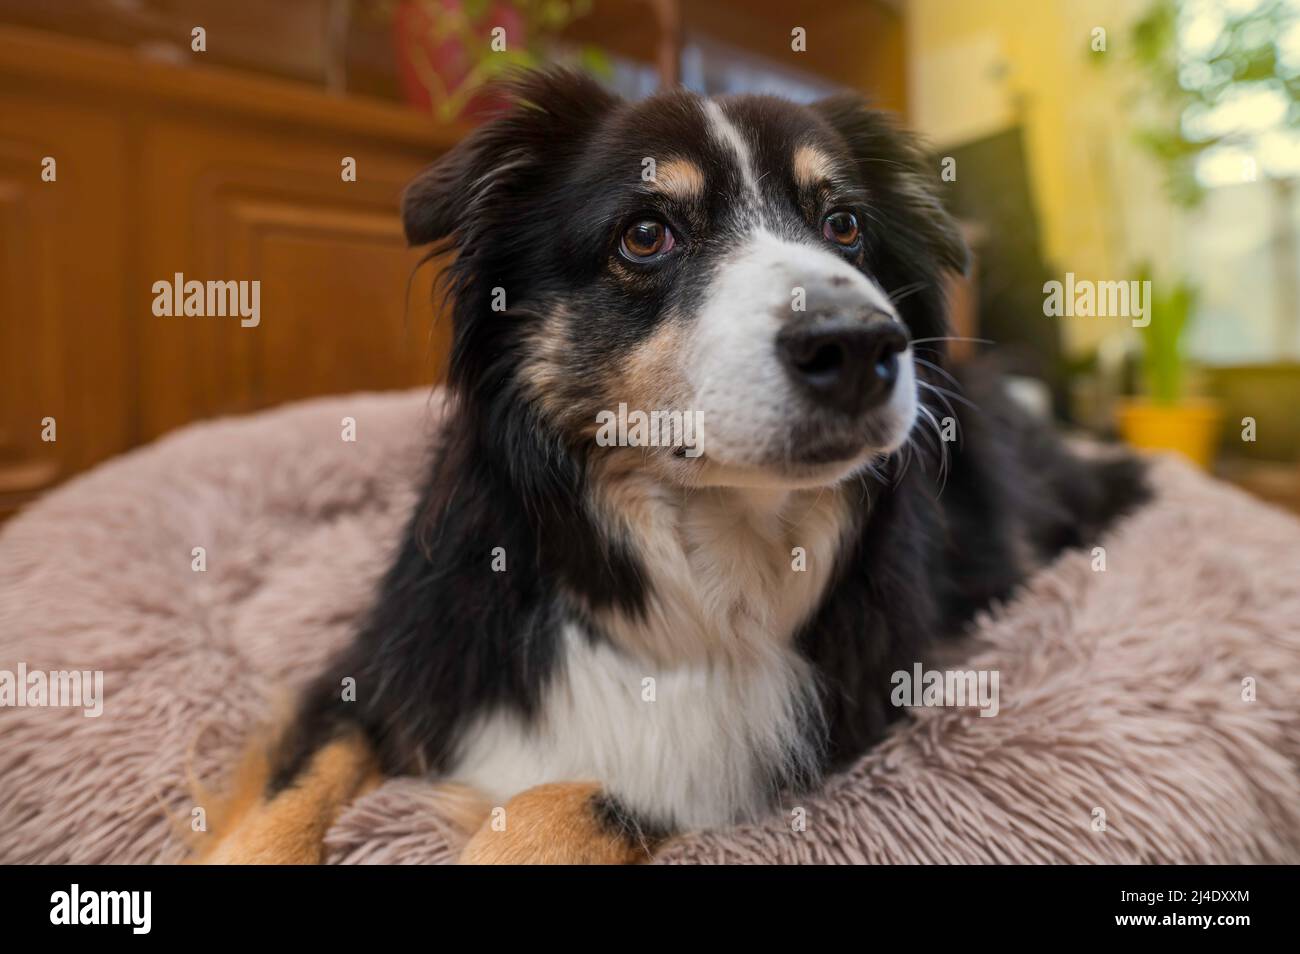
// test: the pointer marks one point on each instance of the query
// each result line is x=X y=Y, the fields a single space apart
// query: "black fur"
x=446 y=640
x=935 y=549
x=624 y=825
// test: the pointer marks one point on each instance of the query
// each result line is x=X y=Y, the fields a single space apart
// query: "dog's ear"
x=900 y=177
x=549 y=113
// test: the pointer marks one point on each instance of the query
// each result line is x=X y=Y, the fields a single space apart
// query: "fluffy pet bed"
x=1121 y=691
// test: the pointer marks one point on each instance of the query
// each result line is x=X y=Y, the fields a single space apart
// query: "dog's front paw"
x=557 y=824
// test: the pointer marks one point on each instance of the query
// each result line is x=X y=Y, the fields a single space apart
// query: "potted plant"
x=1166 y=418
x=448 y=50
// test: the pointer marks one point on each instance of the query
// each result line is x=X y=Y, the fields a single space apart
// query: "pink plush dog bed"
x=1122 y=696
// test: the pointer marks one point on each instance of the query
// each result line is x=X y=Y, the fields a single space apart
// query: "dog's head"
x=755 y=270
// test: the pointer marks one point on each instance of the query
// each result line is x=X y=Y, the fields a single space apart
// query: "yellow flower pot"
x=1190 y=427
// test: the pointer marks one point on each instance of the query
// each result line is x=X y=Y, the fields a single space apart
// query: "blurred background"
x=1094 y=141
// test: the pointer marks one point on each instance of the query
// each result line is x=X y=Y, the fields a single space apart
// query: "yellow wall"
x=979 y=66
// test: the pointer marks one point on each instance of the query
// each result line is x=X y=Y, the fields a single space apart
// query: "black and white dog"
x=673 y=636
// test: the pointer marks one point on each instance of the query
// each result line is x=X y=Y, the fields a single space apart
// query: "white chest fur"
x=685 y=713
x=692 y=745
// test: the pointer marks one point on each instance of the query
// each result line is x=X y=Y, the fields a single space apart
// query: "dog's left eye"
x=841 y=228
x=646 y=239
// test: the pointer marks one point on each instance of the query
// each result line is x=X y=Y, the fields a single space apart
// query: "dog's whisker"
x=905 y=454
x=953 y=338
x=943 y=448
x=944 y=392
x=939 y=394
x=904 y=291
x=934 y=367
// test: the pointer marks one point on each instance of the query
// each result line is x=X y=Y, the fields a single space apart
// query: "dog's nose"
x=844 y=363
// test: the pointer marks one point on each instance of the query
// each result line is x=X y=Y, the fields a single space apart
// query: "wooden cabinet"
x=219 y=177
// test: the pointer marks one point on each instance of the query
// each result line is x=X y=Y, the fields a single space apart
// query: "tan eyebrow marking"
x=812 y=166
x=680 y=179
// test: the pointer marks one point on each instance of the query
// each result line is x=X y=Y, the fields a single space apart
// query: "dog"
x=618 y=640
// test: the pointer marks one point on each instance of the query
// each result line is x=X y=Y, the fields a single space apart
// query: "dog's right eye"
x=646 y=239
x=842 y=229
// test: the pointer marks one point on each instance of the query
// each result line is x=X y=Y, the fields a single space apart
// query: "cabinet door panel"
x=63 y=347
x=329 y=255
